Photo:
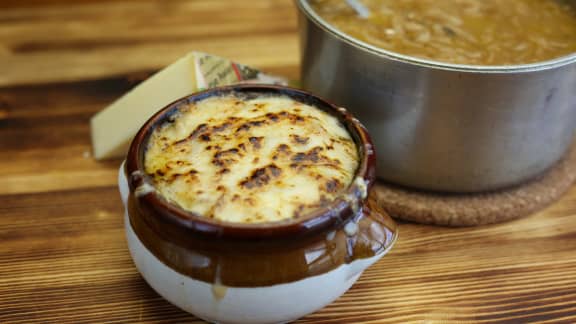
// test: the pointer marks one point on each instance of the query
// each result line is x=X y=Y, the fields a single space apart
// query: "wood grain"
x=63 y=257
x=68 y=40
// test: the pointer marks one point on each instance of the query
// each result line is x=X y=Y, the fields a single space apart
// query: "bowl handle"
x=380 y=228
x=123 y=185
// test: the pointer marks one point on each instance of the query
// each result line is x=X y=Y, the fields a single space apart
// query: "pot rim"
x=305 y=8
x=338 y=212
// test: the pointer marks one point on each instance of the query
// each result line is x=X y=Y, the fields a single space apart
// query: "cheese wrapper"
x=113 y=128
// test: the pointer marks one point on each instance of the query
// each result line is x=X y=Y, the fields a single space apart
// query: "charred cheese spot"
x=333 y=185
x=261 y=177
x=297 y=139
x=256 y=141
x=251 y=159
x=225 y=158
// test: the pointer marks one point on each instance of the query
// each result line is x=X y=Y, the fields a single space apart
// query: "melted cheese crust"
x=251 y=160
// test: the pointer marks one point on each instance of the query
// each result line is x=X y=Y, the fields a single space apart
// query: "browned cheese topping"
x=251 y=160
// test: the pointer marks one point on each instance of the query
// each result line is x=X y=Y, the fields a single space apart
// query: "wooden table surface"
x=63 y=257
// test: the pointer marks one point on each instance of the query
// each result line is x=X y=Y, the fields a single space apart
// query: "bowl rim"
x=305 y=8
x=338 y=212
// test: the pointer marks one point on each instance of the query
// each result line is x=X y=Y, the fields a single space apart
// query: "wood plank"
x=82 y=230
x=47 y=67
x=45 y=132
x=81 y=233
x=97 y=40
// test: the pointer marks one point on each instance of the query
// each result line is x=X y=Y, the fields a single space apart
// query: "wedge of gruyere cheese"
x=114 y=127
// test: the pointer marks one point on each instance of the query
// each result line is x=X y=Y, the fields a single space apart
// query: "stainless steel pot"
x=440 y=126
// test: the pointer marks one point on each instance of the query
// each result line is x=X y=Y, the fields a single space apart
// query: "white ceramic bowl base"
x=251 y=305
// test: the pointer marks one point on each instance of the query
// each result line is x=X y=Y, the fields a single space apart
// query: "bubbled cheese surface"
x=251 y=160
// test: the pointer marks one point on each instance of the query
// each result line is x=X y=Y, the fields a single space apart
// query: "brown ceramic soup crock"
x=254 y=273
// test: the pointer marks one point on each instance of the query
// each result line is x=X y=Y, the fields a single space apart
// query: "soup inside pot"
x=475 y=32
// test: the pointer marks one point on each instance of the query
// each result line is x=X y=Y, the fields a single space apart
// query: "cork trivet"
x=482 y=208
